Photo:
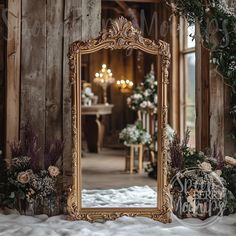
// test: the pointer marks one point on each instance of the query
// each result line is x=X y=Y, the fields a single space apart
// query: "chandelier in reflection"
x=104 y=78
x=124 y=85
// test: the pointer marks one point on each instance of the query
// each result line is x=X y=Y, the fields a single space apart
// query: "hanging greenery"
x=217 y=22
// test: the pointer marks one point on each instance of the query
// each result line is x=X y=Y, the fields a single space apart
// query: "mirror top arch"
x=120 y=34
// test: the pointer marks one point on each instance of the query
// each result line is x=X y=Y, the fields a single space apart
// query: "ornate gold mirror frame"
x=120 y=35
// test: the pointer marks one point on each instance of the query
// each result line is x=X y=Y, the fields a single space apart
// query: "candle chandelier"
x=104 y=78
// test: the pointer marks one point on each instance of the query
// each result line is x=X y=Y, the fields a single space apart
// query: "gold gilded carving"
x=120 y=35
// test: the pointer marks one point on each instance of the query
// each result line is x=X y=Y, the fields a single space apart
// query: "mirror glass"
x=119 y=129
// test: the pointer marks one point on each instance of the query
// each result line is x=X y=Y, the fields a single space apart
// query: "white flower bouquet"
x=135 y=134
x=144 y=97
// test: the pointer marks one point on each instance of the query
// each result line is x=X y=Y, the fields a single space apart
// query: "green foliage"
x=218 y=30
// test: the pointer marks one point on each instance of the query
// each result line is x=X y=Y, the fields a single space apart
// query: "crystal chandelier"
x=104 y=78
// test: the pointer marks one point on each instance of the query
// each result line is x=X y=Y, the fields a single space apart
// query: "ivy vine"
x=217 y=23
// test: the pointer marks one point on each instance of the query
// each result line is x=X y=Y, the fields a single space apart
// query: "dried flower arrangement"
x=182 y=157
x=26 y=181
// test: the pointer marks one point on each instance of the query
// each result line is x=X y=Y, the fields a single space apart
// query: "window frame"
x=184 y=50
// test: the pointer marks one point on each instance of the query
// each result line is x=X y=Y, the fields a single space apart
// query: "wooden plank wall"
x=77 y=14
x=48 y=28
x=13 y=72
x=33 y=67
x=216 y=111
x=202 y=95
x=2 y=76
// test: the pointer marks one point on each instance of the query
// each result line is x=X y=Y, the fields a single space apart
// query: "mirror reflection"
x=119 y=129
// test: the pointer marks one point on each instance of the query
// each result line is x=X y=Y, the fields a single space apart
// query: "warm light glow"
x=124 y=85
x=108 y=71
x=104 y=66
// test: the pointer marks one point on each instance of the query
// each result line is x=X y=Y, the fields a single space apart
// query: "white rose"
x=143 y=104
x=218 y=172
x=53 y=171
x=205 y=166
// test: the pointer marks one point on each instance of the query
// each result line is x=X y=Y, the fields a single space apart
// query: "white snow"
x=13 y=224
x=135 y=196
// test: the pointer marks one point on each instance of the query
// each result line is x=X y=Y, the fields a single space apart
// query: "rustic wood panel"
x=72 y=28
x=202 y=96
x=174 y=87
x=33 y=66
x=205 y=110
x=2 y=78
x=81 y=21
x=54 y=69
x=216 y=111
x=13 y=72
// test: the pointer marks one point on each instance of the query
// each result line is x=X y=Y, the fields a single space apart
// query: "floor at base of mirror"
x=136 y=196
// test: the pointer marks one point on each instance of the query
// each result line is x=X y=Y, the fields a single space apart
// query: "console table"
x=92 y=125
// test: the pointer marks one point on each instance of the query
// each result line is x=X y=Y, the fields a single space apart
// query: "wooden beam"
x=175 y=80
x=13 y=73
x=216 y=111
x=33 y=67
x=202 y=96
x=54 y=70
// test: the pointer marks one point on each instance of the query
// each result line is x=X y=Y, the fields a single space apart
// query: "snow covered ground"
x=135 y=196
x=14 y=224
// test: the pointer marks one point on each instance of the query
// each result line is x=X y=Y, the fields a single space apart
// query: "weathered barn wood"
x=2 y=77
x=13 y=72
x=216 y=111
x=174 y=86
x=42 y=96
x=81 y=22
x=54 y=69
x=202 y=96
x=33 y=67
